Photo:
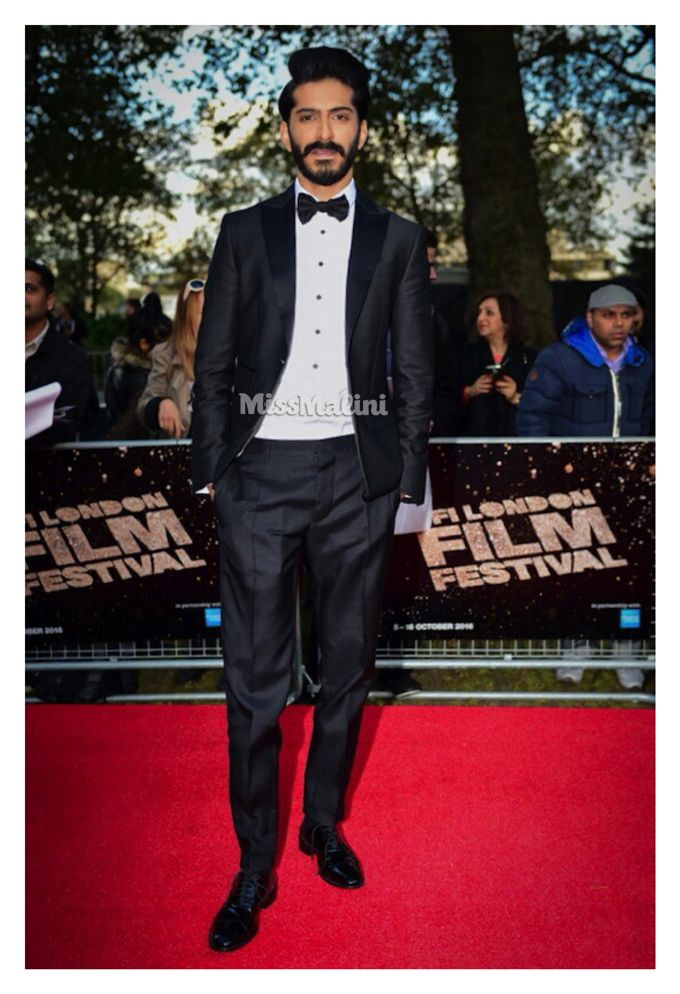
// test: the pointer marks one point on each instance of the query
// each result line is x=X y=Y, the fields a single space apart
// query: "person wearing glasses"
x=165 y=405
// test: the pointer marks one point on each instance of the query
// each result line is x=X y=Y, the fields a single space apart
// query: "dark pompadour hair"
x=309 y=65
x=46 y=275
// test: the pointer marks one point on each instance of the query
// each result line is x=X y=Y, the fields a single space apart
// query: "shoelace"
x=248 y=890
x=332 y=845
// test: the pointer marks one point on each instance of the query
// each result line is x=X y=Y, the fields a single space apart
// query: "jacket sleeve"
x=156 y=386
x=648 y=427
x=544 y=389
x=76 y=390
x=413 y=367
x=215 y=360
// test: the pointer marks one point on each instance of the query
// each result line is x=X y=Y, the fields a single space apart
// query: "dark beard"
x=326 y=175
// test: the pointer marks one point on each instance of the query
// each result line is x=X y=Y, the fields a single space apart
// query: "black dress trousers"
x=278 y=499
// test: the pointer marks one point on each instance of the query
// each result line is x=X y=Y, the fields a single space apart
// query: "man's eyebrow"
x=306 y=110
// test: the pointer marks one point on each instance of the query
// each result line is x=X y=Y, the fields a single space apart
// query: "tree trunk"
x=94 y=280
x=503 y=223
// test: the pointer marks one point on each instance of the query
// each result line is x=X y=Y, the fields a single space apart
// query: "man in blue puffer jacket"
x=597 y=381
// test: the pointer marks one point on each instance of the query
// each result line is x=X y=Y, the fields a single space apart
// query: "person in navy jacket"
x=597 y=381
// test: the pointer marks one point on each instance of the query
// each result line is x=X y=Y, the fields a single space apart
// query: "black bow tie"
x=307 y=207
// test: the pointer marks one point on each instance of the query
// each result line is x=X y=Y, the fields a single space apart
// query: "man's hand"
x=210 y=487
x=169 y=419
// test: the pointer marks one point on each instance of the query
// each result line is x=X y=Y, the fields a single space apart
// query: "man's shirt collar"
x=615 y=363
x=35 y=343
x=349 y=191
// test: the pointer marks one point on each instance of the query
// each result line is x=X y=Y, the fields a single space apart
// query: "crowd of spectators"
x=595 y=380
x=147 y=387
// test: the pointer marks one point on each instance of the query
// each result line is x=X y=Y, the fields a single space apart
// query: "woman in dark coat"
x=126 y=378
x=494 y=367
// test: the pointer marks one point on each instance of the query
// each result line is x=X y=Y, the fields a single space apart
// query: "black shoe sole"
x=234 y=946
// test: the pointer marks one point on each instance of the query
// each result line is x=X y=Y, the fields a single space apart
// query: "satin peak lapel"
x=278 y=226
x=368 y=236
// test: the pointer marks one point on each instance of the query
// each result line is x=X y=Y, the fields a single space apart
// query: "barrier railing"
x=470 y=655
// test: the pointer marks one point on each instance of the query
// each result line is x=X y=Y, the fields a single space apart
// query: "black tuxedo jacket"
x=245 y=337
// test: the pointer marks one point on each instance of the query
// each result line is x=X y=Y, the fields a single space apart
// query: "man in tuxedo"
x=301 y=293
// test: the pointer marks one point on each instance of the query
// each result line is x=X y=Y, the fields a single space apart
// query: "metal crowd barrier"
x=428 y=655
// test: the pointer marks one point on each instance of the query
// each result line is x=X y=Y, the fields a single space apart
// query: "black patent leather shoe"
x=236 y=921
x=338 y=865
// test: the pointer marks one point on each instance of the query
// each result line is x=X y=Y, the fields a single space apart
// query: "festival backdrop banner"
x=527 y=540
x=118 y=547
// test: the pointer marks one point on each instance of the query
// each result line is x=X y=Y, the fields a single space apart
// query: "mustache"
x=324 y=147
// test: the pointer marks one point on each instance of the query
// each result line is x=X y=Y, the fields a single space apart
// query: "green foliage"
x=589 y=94
x=190 y=261
x=588 y=91
x=640 y=256
x=100 y=145
x=98 y=149
x=103 y=330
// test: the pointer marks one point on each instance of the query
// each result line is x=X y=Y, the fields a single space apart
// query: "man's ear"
x=51 y=297
x=284 y=136
x=589 y=318
x=363 y=133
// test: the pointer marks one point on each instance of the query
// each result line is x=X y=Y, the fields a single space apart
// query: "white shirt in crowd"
x=35 y=343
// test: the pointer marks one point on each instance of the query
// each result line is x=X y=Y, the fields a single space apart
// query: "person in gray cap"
x=597 y=381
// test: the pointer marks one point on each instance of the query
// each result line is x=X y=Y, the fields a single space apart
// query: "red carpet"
x=491 y=837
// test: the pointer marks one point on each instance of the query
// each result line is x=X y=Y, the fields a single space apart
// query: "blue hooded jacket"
x=572 y=392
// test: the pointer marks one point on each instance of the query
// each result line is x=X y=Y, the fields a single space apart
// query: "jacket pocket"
x=589 y=405
x=631 y=403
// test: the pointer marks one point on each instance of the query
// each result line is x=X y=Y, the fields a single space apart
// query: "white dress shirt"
x=35 y=343
x=313 y=395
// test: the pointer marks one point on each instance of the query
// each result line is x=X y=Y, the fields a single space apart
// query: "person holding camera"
x=494 y=367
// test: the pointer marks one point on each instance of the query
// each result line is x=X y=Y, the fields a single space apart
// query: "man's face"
x=611 y=326
x=38 y=300
x=323 y=133
x=432 y=258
